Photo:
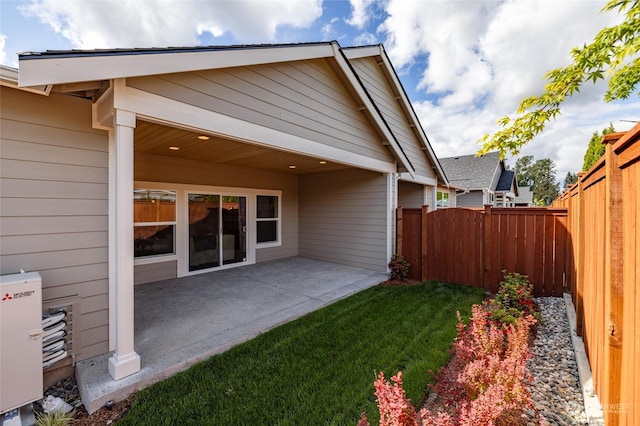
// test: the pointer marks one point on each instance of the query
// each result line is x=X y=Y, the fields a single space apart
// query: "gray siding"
x=53 y=203
x=377 y=85
x=304 y=98
x=410 y=195
x=343 y=218
x=143 y=274
x=163 y=169
x=472 y=199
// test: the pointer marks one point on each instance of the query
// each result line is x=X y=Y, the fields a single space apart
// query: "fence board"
x=410 y=240
x=604 y=272
x=473 y=247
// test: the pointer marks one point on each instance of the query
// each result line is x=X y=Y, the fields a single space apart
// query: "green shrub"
x=514 y=299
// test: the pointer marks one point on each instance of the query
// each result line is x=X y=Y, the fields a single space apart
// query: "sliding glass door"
x=217 y=230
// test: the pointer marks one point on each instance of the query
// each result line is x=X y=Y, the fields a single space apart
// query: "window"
x=442 y=199
x=267 y=219
x=154 y=222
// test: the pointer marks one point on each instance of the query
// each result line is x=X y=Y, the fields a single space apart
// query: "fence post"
x=614 y=290
x=424 y=247
x=486 y=250
x=399 y=231
x=579 y=257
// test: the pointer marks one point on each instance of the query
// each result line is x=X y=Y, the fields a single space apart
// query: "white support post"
x=392 y=202
x=125 y=361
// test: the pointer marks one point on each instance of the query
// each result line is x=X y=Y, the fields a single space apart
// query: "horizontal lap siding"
x=305 y=99
x=343 y=218
x=410 y=195
x=472 y=199
x=380 y=90
x=163 y=169
x=54 y=205
x=155 y=272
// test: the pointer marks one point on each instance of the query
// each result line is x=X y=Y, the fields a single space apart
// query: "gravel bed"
x=556 y=390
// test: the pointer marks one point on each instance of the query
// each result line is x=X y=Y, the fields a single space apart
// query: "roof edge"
x=61 y=67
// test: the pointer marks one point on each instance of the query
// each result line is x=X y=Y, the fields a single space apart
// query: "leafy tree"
x=596 y=148
x=614 y=52
x=570 y=179
x=523 y=170
x=545 y=187
x=540 y=175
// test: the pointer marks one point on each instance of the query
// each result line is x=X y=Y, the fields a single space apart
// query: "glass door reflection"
x=217 y=230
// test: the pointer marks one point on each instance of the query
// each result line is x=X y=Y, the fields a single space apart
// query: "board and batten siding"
x=343 y=218
x=54 y=204
x=378 y=86
x=303 y=98
x=411 y=195
x=152 y=168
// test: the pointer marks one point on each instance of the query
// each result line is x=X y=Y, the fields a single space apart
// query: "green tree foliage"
x=596 y=148
x=540 y=175
x=614 y=53
x=570 y=179
x=545 y=187
x=523 y=171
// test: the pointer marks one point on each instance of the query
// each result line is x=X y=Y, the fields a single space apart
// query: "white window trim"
x=181 y=225
x=146 y=260
x=278 y=219
x=448 y=194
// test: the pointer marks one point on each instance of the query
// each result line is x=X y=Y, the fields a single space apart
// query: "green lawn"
x=318 y=369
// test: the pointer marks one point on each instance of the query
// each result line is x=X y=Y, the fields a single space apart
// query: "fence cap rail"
x=629 y=138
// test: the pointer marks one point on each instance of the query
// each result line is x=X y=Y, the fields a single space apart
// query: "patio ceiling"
x=157 y=139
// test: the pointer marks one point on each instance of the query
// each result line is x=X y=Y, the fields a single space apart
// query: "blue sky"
x=463 y=64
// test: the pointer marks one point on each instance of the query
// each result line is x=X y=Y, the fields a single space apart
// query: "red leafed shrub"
x=484 y=379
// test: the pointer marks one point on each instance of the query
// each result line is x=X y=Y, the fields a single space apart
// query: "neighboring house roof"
x=87 y=72
x=507 y=182
x=474 y=172
x=525 y=195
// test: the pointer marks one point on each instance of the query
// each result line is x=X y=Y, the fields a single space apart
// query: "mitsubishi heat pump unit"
x=20 y=340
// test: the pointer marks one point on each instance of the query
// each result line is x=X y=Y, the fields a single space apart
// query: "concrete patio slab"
x=183 y=321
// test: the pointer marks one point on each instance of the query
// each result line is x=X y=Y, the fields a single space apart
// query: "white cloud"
x=483 y=57
x=328 y=31
x=365 y=39
x=360 y=13
x=159 y=23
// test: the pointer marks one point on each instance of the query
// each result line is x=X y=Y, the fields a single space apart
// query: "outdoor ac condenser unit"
x=20 y=340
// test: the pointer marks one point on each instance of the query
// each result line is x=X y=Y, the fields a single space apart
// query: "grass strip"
x=319 y=369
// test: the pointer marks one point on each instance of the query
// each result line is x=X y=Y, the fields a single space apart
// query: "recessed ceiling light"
x=174 y=148
x=292 y=166
x=203 y=137
x=323 y=162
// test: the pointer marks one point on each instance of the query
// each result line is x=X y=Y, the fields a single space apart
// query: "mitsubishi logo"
x=7 y=296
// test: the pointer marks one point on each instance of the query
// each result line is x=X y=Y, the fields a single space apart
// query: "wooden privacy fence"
x=604 y=270
x=474 y=246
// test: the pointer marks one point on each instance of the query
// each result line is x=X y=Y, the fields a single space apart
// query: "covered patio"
x=181 y=321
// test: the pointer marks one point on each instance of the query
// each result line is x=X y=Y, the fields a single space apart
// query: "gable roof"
x=507 y=181
x=525 y=195
x=380 y=54
x=90 y=69
x=474 y=172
